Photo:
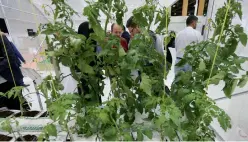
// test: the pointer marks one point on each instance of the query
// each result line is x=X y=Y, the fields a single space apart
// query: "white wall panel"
x=236 y=108
x=15 y=14
x=22 y=5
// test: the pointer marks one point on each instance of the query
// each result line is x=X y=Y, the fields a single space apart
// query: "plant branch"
x=218 y=46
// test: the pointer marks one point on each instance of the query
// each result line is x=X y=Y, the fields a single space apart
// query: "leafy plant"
x=184 y=114
x=189 y=89
x=15 y=92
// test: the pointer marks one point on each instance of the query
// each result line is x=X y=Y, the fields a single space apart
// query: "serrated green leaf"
x=140 y=136
x=224 y=120
x=6 y=126
x=230 y=87
x=181 y=63
x=243 y=38
x=146 y=84
x=111 y=71
x=234 y=69
x=160 y=121
x=121 y=52
x=2 y=94
x=110 y=134
x=243 y=81
x=238 y=29
x=104 y=117
x=202 y=66
x=127 y=137
x=211 y=50
x=217 y=78
x=175 y=115
x=148 y=133
x=189 y=98
x=86 y=68
x=51 y=130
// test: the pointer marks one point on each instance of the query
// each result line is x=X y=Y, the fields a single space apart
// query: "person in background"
x=84 y=29
x=158 y=44
x=171 y=44
x=125 y=35
x=184 y=38
x=17 y=53
x=7 y=81
x=134 y=29
x=117 y=31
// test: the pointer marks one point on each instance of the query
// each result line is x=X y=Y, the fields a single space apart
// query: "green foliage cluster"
x=189 y=89
x=184 y=114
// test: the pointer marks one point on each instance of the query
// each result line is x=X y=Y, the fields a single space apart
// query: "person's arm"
x=18 y=54
x=4 y=62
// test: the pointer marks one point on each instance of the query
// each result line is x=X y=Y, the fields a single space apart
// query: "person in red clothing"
x=117 y=30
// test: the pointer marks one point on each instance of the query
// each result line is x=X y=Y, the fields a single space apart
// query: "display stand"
x=31 y=73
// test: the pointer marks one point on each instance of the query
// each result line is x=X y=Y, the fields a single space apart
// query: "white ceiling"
x=21 y=15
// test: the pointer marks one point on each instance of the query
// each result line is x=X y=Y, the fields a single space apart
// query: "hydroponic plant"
x=139 y=106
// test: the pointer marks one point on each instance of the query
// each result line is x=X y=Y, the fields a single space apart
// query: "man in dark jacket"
x=18 y=55
x=10 y=73
x=125 y=35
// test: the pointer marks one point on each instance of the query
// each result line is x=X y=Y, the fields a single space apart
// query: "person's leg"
x=5 y=87
x=177 y=69
x=184 y=68
x=11 y=103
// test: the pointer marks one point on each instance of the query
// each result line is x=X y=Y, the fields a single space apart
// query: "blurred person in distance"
x=9 y=64
x=125 y=34
x=134 y=29
x=17 y=53
x=117 y=31
x=185 y=38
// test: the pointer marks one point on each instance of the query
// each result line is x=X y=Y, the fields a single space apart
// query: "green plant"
x=189 y=90
x=15 y=92
x=184 y=114
x=8 y=124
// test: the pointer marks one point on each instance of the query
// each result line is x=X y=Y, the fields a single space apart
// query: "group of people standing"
x=179 y=42
x=10 y=57
x=125 y=36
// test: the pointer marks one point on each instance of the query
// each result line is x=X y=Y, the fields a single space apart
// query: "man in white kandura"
x=184 y=38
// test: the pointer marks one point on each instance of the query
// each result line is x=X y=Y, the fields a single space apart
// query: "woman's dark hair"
x=84 y=29
x=131 y=22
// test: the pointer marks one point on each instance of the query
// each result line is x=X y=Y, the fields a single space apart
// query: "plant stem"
x=218 y=46
x=115 y=123
x=165 y=54
x=68 y=131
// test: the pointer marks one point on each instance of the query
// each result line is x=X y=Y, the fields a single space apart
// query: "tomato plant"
x=184 y=114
